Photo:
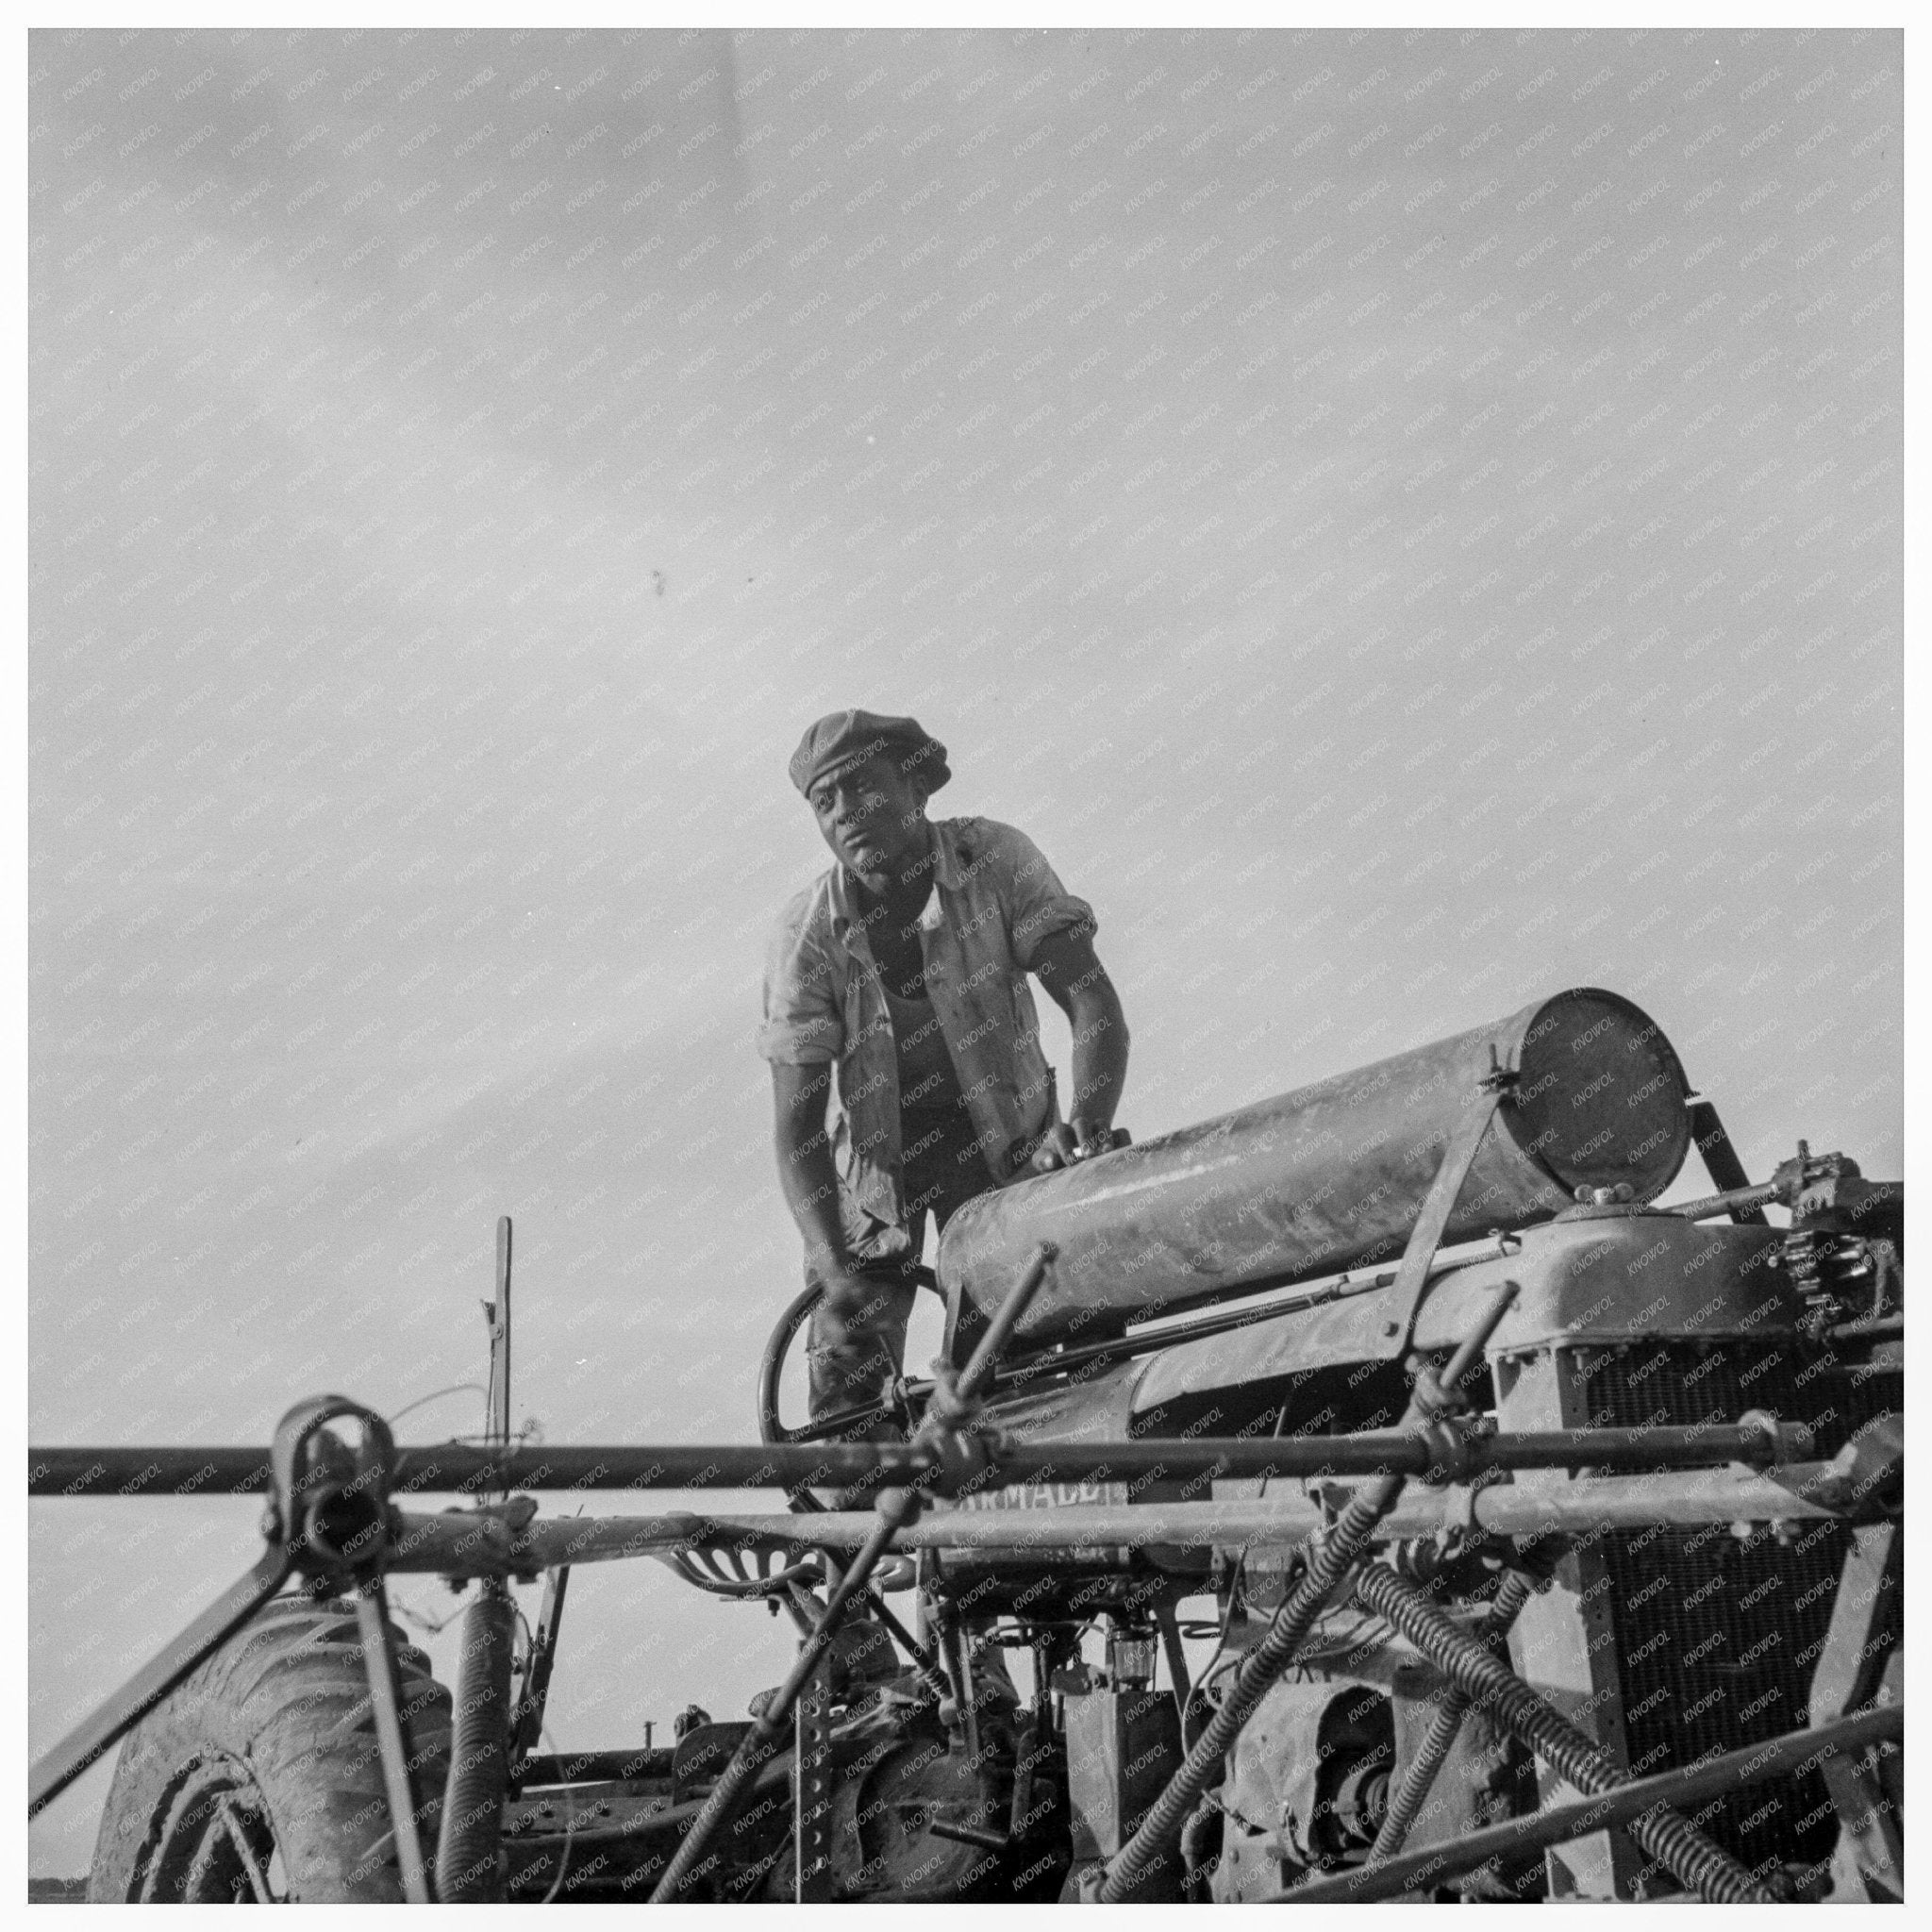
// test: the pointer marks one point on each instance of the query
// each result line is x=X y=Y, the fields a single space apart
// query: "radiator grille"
x=1717 y=1638
x=1681 y=1385
x=1717 y=1641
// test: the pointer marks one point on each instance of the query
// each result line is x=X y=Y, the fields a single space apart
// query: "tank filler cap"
x=1605 y=1197
x=1616 y=1203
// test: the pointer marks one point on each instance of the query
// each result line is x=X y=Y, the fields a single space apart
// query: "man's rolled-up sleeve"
x=803 y=1026
x=1038 y=905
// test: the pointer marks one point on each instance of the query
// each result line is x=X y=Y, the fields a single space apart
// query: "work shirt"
x=994 y=899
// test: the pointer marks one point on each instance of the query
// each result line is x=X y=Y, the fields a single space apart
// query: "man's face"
x=873 y=816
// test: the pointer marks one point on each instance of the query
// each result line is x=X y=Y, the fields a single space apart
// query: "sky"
x=1407 y=521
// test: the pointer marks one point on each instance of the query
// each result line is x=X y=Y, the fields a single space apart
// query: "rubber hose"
x=1706 y=1867
x=1444 y=1729
x=468 y=1862
x=1328 y=1562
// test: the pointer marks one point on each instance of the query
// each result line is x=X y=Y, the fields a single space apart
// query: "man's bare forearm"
x=810 y=1186
x=1100 y=1056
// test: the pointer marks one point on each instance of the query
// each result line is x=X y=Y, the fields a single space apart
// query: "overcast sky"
x=1408 y=522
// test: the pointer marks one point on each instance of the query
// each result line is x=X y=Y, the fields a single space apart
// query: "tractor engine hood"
x=1595 y=1281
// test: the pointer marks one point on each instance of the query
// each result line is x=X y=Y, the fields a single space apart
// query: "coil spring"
x=1826 y=1270
x=1445 y=1727
x=1706 y=1867
x=1288 y=1630
x=467 y=1861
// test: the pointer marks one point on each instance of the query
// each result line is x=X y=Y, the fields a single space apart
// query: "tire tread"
x=288 y=1698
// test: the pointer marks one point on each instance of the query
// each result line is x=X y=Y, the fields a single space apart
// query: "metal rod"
x=972 y=1380
x=960 y=1642
x=1027 y=1754
x=460 y=1545
x=971 y=1834
x=1147 y=1341
x=1180 y=1683
x=457 y=1468
x=1469 y=1350
x=767 y=1732
x=1433 y=1865
x=1867 y=1328
x=1728 y=1203
x=527 y=1732
x=1140 y=1341
x=637 y=1829
x=371 y=1617
x=835 y=1423
x=110 y=1721
x=500 y=1337
x=596 y=1767
x=924 y=1661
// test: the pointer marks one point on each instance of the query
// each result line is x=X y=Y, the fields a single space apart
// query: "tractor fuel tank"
x=1334 y=1176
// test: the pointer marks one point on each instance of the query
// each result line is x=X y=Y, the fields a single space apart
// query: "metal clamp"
x=1457 y=1446
x=1457 y=1528
x=1784 y=1440
x=967 y=1453
x=329 y=1506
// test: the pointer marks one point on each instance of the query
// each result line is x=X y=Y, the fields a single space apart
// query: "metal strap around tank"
x=1458 y=1154
x=1721 y=1160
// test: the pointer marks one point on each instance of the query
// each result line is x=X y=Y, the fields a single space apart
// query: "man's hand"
x=849 y=1298
x=1069 y=1142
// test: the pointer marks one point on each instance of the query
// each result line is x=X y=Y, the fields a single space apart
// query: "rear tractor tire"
x=259 y=1779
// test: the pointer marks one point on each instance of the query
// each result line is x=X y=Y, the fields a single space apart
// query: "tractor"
x=1371 y=1494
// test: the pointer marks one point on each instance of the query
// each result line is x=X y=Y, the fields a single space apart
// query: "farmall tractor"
x=1368 y=1495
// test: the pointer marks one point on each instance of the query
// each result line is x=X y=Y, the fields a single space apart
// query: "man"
x=904 y=968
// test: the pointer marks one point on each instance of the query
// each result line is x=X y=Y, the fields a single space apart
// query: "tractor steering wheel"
x=771 y=1427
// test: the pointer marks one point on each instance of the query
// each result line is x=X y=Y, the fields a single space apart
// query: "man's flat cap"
x=843 y=739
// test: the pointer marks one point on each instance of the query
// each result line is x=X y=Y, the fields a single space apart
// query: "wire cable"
x=453 y=1388
x=570 y=1825
x=1234 y=1582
